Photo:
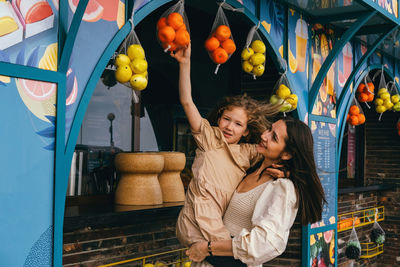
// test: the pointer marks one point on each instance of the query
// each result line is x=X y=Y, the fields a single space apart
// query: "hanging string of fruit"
x=355 y=115
x=382 y=101
x=365 y=91
x=173 y=28
x=394 y=96
x=353 y=246
x=283 y=95
x=130 y=62
x=253 y=54
x=377 y=234
x=220 y=44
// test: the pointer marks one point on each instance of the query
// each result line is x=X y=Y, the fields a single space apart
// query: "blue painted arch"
x=64 y=161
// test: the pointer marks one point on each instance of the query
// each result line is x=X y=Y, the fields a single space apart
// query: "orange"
x=219 y=55
x=362 y=97
x=175 y=20
x=353 y=120
x=360 y=88
x=222 y=32
x=348 y=117
x=166 y=34
x=370 y=97
x=211 y=44
x=172 y=46
x=182 y=37
x=183 y=27
x=354 y=110
x=162 y=22
x=371 y=87
x=229 y=46
x=361 y=118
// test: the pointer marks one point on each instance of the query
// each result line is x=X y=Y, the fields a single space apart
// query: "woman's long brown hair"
x=303 y=171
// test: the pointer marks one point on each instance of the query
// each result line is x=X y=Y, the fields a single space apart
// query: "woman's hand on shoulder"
x=277 y=171
x=198 y=251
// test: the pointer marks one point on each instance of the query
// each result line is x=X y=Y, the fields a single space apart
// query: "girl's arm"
x=185 y=88
x=199 y=251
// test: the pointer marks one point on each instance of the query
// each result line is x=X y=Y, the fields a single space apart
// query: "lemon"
x=247 y=53
x=149 y=265
x=378 y=101
x=396 y=107
x=381 y=91
x=275 y=100
x=395 y=98
x=258 y=70
x=258 y=46
x=257 y=59
x=138 y=82
x=187 y=264
x=247 y=66
x=122 y=59
x=380 y=109
x=385 y=96
x=123 y=74
x=138 y=66
x=286 y=107
x=292 y=99
x=135 y=51
x=387 y=104
x=283 y=91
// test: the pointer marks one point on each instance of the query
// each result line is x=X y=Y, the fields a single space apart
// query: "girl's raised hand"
x=182 y=55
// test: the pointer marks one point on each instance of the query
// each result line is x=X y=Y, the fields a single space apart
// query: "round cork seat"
x=170 y=178
x=139 y=183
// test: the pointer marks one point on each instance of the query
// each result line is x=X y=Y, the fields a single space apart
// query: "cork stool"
x=170 y=178
x=139 y=183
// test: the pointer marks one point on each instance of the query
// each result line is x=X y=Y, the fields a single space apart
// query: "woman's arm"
x=185 y=88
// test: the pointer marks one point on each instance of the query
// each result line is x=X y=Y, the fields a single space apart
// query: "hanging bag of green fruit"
x=365 y=91
x=353 y=246
x=173 y=28
x=394 y=96
x=254 y=53
x=382 y=100
x=377 y=234
x=220 y=44
x=355 y=116
x=131 y=62
x=283 y=95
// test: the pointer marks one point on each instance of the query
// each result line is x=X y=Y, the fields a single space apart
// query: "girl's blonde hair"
x=259 y=115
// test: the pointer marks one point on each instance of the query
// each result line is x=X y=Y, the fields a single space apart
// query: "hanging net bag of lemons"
x=130 y=62
x=173 y=28
x=394 y=96
x=355 y=116
x=254 y=53
x=365 y=91
x=382 y=101
x=220 y=44
x=283 y=95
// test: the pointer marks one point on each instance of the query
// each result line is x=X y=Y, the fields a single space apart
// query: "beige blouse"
x=217 y=170
x=273 y=216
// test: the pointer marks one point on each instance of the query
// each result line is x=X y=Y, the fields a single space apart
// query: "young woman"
x=262 y=210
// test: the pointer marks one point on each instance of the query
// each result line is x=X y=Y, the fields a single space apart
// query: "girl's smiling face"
x=233 y=124
x=273 y=143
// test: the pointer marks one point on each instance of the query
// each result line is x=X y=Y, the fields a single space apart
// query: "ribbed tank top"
x=240 y=210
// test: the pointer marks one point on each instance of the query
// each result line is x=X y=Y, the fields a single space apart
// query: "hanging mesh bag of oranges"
x=382 y=101
x=283 y=95
x=355 y=116
x=173 y=28
x=220 y=44
x=254 y=53
x=365 y=91
x=394 y=96
x=130 y=62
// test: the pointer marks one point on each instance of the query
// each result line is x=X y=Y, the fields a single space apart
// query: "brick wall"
x=383 y=166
